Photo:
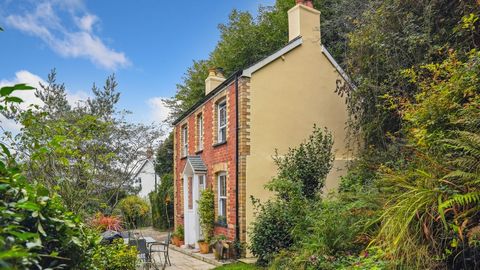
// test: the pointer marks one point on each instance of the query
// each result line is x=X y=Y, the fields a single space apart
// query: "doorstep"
x=208 y=258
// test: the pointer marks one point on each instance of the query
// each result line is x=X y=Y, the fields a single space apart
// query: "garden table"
x=148 y=239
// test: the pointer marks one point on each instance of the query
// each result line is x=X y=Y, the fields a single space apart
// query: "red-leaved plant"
x=105 y=223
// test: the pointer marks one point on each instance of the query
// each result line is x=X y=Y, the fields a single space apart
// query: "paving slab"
x=179 y=260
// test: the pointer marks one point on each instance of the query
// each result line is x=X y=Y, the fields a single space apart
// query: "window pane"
x=200 y=132
x=223 y=134
x=223 y=208
x=223 y=118
x=223 y=185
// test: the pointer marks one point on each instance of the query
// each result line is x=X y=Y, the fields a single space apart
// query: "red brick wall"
x=217 y=158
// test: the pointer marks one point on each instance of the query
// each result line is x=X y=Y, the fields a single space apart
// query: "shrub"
x=162 y=205
x=335 y=229
x=301 y=175
x=115 y=256
x=271 y=230
x=135 y=210
x=206 y=210
x=309 y=163
x=103 y=223
x=36 y=230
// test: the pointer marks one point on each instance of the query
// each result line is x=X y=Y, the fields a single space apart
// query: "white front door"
x=192 y=186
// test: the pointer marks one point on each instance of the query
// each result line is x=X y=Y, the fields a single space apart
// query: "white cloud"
x=24 y=76
x=158 y=111
x=29 y=98
x=45 y=23
x=86 y=22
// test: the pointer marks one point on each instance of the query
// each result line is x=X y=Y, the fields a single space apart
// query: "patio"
x=178 y=259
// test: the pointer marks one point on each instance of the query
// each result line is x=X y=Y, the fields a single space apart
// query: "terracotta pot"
x=175 y=240
x=204 y=247
x=181 y=243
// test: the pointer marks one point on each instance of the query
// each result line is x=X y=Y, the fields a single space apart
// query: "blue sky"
x=148 y=44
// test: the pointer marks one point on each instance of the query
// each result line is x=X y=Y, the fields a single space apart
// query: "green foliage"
x=238 y=266
x=115 y=256
x=135 y=211
x=206 y=211
x=432 y=204
x=161 y=202
x=301 y=175
x=179 y=232
x=271 y=230
x=190 y=91
x=36 y=230
x=309 y=163
x=380 y=49
x=85 y=151
x=164 y=156
x=334 y=229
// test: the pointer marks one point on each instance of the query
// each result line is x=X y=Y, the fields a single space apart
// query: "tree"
x=245 y=40
x=53 y=96
x=392 y=36
x=162 y=199
x=89 y=151
x=164 y=156
x=37 y=230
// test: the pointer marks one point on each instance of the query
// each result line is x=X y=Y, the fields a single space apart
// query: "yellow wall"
x=287 y=97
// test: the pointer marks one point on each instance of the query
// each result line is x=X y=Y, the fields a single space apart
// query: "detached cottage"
x=226 y=141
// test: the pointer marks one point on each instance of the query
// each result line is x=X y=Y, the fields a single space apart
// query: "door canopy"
x=195 y=165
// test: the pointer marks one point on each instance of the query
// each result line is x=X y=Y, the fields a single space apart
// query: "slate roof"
x=197 y=164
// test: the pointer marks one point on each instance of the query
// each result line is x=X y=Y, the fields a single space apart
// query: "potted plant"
x=219 y=244
x=178 y=236
x=206 y=211
x=204 y=246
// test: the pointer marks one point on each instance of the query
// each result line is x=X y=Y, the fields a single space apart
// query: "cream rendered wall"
x=287 y=97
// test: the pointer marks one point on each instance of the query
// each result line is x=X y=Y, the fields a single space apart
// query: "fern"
x=461 y=200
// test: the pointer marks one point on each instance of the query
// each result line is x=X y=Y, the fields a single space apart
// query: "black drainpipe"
x=237 y=227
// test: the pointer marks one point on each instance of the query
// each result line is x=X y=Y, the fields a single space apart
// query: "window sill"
x=221 y=224
x=184 y=157
x=220 y=144
x=199 y=152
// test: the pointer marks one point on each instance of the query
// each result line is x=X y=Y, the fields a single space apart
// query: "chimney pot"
x=308 y=3
x=212 y=71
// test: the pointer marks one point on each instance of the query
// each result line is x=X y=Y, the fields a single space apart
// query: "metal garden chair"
x=161 y=248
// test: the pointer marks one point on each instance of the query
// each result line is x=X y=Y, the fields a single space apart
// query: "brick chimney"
x=214 y=79
x=304 y=20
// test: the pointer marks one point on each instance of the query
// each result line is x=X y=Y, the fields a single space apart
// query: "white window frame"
x=200 y=132
x=221 y=129
x=184 y=141
x=222 y=208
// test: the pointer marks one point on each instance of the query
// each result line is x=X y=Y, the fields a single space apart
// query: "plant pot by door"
x=204 y=247
x=175 y=240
